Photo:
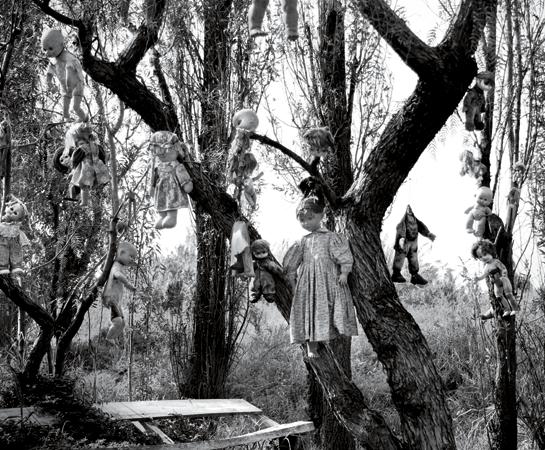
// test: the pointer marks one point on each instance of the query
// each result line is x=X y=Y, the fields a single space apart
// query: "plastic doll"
x=12 y=239
x=485 y=251
x=245 y=122
x=115 y=286
x=406 y=246
x=479 y=212
x=265 y=268
x=170 y=182
x=320 y=142
x=474 y=101
x=290 y=17
x=88 y=160
x=318 y=267
x=67 y=69
x=241 y=255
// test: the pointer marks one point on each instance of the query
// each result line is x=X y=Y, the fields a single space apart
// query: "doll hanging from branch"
x=170 y=182
x=475 y=101
x=320 y=143
x=67 y=69
x=290 y=17
x=12 y=238
x=265 y=268
x=479 y=212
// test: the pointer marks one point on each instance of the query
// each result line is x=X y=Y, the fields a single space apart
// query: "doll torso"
x=91 y=170
x=479 y=212
x=59 y=67
x=169 y=192
x=114 y=289
x=12 y=230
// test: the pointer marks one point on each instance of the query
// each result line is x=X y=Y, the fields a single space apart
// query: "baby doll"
x=265 y=267
x=113 y=291
x=67 y=69
x=170 y=182
x=474 y=101
x=241 y=255
x=12 y=239
x=471 y=165
x=479 y=212
x=485 y=251
x=320 y=142
x=290 y=17
x=245 y=122
x=318 y=267
x=88 y=160
x=406 y=246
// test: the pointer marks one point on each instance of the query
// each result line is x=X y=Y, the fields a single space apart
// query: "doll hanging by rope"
x=67 y=69
x=475 y=101
x=318 y=267
x=12 y=238
x=494 y=269
x=112 y=295
x=88 y=160
x=170 y=182
x=479 y=212
x=265 y=268
x=290 y=17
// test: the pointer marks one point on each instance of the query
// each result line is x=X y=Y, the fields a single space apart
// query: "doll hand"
x=402 y=242
x=432 y=237
x=343 y=278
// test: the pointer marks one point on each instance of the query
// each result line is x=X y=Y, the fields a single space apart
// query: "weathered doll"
x=485 y=251
x=265 y=267
x=118 y=280
x=318 y=267
x=320 y=142
x=12 y=239
x=245 y=122
x=474 y=101
x=241 y=254
x=471 y=165
x=310 y=187
x=170 y=182
x=290 y=17
x=479 y=212
x=406 y=246
x=88 y=160
x=67 y=69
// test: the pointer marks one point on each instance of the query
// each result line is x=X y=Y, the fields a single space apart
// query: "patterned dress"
x=322 y=308
x=91 y=171
x=171 y=177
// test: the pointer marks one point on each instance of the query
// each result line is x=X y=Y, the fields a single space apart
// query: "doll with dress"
x=479 y=212
x=290 y=17
x=66 y=68
x=318 y=267
x=12 y=238
x=88 y=160
x=265 y=268
x=494 y=269
x=170 y=182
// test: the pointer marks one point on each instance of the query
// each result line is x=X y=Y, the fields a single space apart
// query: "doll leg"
x=479 y=124
x=85 y=196
x=412 y=257
x=67 y=98
x=117 y=325
x=76 y=106
x=15 y=257
x=255 y=17
x=248 y=262
x=159 y=223
x=170 y=219
x=399 y=259
x=508 y=294
x=291 y=17
x=312 y=349
x=4 y=256
x=481 y=227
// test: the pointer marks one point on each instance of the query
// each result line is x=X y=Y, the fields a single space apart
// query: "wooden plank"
x=139 y=426
x=29 y=413
x=185 y=408
x=267 y=421
x=153 y=427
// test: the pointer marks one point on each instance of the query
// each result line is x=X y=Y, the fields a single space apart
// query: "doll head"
x=484 y=250
x=248 y=164
x=52 y=43
x=15 y=211
x=126 y=253
x=485 y=80
x=166 y=146
x=319 y=140
x=78 y=132
x=246 y=120
x=484 y=196
x=310 y=213
x=261 y=249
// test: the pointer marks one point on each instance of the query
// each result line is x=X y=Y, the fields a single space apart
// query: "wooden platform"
x=28 y=414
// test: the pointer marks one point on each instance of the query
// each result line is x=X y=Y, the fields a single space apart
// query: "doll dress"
x=171 y=177
x=321 y=308
x=91 y=170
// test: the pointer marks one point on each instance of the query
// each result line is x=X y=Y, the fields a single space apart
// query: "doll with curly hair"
x=265 y=268
x=12 y=238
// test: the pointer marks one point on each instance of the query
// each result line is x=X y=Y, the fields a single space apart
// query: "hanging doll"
x=265 y=268
x=290 y=17
x=5 y=143
x=170 y=182
x=471 y=165
x=320 y=142
x=113 y=291
x=310 y=187
x=88 y=160
x=318 y=267
x=67 y=69
x=241 y=254
x=12 y=239
x=406 y=246
x=474 y=101
x=479 y=212
x=485 y=251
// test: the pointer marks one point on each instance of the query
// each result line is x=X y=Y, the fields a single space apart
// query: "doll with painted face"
x=12 y=238
x=485 y=251
x=88 y=160
x=170 y=182
x=320 y=143
x=118 y=280
x=265 y=268
x=318 y=267
x=475 y=102
x=290 y=17
x=66 y=68
x=479 y=212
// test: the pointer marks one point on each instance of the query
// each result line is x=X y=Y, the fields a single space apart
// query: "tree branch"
x=44 y=6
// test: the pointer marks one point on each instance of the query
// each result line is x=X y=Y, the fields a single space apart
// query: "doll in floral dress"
x=318 y=266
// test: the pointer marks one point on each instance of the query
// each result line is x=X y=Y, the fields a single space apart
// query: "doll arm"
x=153 y=181
x=272 y=267
x=339 y=249
x=118 y=274
x=424 y=231
x=469 y=223
x=78 y=155
x=292 y=260
x=183 y=178
x=49 y=78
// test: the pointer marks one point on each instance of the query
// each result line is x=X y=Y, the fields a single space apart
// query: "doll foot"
x=489 y=314
x=269 y=298
x=506 y=314
x=312 y=349
x=292 y=35
x=256 y=32
x=418 y=279
x=398 y=278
